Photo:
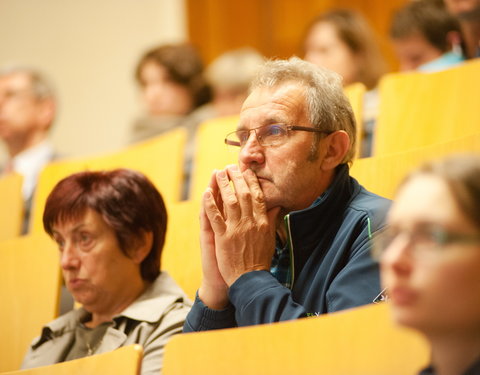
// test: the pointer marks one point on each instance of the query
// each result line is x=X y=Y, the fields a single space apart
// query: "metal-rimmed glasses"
x=422 y=241
x=267 y=135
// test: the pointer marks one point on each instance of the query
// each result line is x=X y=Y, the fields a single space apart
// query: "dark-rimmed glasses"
x=268 y=135
x=421 y=241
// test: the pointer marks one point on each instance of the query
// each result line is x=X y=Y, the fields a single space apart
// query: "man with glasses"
x=286 y=233
x=27 y=111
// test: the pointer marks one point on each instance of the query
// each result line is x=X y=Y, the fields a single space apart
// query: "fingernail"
x=208 y=193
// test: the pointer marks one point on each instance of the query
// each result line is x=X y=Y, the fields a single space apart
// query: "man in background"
x=468 y=14
x=426 y=36
x=27 y=111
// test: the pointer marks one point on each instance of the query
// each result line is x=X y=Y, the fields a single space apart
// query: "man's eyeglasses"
x=268 y=135
x=422 y=241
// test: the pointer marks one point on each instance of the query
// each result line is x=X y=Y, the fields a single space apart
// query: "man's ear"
x=337 y=145
x=46 y=113
x=143 y=246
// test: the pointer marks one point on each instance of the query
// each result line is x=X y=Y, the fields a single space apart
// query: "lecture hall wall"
x=89 y=48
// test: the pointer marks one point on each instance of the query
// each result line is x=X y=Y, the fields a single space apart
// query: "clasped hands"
x=237 y=233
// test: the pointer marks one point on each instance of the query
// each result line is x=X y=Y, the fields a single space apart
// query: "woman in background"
x=342 y=41
x=174 y=93
x=171 y=82
x=110 y=229
x=430 y=261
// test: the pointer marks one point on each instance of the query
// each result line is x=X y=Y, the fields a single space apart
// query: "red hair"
x=127 y=201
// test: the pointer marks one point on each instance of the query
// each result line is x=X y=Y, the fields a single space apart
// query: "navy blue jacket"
x=330 y=256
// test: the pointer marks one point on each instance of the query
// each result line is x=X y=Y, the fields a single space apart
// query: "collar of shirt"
x=30 y=162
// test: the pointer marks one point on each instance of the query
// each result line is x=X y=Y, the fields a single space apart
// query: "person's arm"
x=203 y=318
x=213 y=291
x=259 y=298
x=211 y=309
x=237 y=236
x=243 y=229
x=154 y=345
x=358 y=283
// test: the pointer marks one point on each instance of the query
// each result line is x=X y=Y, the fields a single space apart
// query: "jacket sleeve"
x=358 y=283
x=154 y=345
x=259 y=298
x=202 y=318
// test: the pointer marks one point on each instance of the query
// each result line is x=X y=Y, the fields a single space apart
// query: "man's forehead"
x=276 y=92
x=285 y=101
x=17 y=80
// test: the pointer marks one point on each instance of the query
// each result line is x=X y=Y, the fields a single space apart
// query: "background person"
x=426 y=36
x=341 y=40
x=27 y=111
x=468 y=14
x=172 y=86
x=110 y=229
x=430 y=257
x=292 y=238
x=229 y=76
x=174 y=93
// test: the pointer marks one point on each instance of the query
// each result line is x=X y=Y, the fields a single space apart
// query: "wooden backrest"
x=160 y=159
x=360 y=341
x=11 y=206
x=418 y=109
x=181 y=254
x=211 y=152
x=355 y=94
x=382 y=174
x=126 y=360
x=29 y=293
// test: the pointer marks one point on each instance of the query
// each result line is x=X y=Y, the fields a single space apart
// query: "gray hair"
x=41 y=87
x=235 y=69
x=328 y=107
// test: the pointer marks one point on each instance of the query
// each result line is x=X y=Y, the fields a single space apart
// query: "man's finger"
x=231 y=205
x=242 y=190
x=214 y=215
x=259 y=206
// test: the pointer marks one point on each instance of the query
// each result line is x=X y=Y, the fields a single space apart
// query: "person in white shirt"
x=27 y=111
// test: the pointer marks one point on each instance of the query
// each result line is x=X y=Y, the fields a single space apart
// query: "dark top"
x=330 y=259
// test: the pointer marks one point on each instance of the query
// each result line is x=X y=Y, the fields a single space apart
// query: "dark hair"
x=428 y=18
x=461 y=173
x=353 y=29
x=184 y=66
x=127 y=201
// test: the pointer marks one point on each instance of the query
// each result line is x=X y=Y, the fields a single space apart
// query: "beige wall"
x=89 y=49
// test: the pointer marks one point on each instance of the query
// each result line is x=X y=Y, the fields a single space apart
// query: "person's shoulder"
x=370 y=205
x=161 y=298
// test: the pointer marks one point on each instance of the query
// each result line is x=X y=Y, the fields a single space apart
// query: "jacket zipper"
x=290 y=249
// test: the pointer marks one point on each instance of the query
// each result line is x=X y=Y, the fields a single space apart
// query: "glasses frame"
x=289 y=128
x=440 y=238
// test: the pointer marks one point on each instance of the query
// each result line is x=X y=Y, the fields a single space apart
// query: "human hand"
x=213 y=291
x=244 y=232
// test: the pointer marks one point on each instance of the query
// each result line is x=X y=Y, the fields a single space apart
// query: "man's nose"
x=251 y=152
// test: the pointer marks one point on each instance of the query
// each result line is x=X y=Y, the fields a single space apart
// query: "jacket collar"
x=151 y=305
x=313 y=226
